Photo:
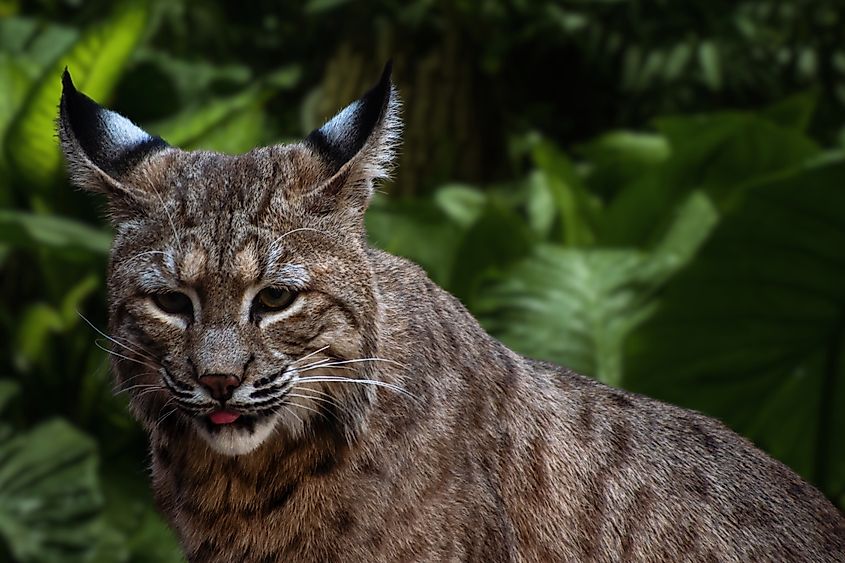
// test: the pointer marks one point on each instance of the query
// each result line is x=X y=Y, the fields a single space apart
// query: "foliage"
x=695 y=256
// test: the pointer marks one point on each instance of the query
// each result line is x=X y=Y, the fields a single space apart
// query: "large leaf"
x=96 y=61
x=753 y=331
x=49 y=495
x=719 y=154
x=74 y=239
x=14 y=82
x=575 y=306
x=419 y=230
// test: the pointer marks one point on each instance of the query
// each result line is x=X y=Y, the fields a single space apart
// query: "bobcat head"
x=240 y=298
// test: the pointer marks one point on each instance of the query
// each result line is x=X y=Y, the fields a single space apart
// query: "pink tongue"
x=224 y=417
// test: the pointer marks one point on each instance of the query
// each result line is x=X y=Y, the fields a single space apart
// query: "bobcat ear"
x=100 y=145
x=358 y=145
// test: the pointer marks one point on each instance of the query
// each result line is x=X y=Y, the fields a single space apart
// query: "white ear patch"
x=121 y=131
x=340 y=129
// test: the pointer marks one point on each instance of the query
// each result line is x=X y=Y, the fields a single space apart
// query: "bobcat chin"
x=310 y=398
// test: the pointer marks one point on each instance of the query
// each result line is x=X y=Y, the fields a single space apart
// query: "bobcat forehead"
x=247 y=265
x=193 y=265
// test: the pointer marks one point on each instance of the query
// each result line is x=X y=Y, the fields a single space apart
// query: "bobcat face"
x=241 y=300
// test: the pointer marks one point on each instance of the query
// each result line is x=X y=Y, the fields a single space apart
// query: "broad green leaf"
x=72 y=300
x=576 y=306
x=794 y=112
x=37 y=323
x=576 y=206
x=418 y=230
x=497 y=240
x=752 y=330
x=75 y=240
x=463 y=204
x=96 y=61
x=49 y=495
x=620 y=158
x=14 y=83
x=720 y=154
x=130 y=509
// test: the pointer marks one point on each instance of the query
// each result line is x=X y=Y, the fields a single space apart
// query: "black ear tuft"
x=343 y=137
x=108 y=140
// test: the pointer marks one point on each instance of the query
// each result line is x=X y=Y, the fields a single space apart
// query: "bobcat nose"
x=220 y=385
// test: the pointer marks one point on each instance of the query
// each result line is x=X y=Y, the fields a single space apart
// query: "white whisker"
x=309 y=355
x=331 y=363
x=110 y=339
x=339 y=379
x=113 y=353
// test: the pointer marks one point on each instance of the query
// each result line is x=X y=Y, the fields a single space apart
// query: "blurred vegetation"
x=648 y=192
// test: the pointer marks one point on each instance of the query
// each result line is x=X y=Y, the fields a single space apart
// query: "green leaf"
x=720 y=154
x=462 y=204
x=96 y=61
x=14 y=83
x=576 y=306
x=8 y=391
x=35 y=326
x=711 y=67
x=233 y=124
x=570 y=306
x=418 y=230
x=795 y=112
x=49 y=495
x=620 y=158
x=73 y=239
x=752 y=331
x=495 y=241
x=575 y=205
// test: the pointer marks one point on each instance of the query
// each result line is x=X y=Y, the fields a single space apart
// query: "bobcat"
x=310 y=398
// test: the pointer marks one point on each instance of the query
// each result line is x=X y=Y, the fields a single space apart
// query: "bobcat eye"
x=174 y=303
x=273 y=299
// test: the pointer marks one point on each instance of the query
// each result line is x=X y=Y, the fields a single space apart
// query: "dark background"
x=650 y=192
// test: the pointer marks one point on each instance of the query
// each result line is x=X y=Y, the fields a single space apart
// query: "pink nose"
x=220 y=386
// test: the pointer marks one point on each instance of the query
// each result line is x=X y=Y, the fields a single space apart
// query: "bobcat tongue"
x=224 y=417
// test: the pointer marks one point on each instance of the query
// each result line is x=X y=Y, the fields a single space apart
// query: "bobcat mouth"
x=224 y=417
x=219 y=420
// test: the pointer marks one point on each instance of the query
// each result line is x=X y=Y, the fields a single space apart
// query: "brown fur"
x=485 y=456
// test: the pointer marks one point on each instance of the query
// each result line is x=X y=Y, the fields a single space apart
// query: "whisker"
x=287 y=408
x=110 y=339
x=326 y=398
x=309 y=409
x=113 y=353
x=148 y=391
x=339 y=379
x=322 y=401
x=139 y=386
x=170 y=219
x=353 y=361
x=275 y=242
x=309 y=355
